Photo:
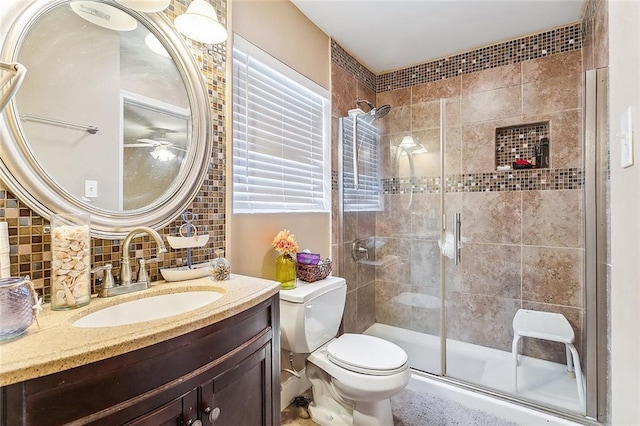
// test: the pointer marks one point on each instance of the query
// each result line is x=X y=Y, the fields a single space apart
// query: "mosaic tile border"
x=558 y=40
x=340 y=57
x=512 y=180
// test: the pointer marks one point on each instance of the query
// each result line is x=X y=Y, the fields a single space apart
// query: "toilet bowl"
x=352 y=376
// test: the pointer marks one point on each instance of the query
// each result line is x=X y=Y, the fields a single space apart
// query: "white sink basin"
x=148 y=309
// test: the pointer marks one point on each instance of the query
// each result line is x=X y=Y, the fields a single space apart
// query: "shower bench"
x=547 y=326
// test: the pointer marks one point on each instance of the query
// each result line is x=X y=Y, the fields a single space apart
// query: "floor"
x=414 y=408
x=426 y=402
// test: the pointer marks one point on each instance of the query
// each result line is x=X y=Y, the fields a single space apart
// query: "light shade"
x=154 y=44
x=162 y=153
x=200 y=23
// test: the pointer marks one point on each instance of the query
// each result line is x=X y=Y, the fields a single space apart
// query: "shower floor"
x=543 y=382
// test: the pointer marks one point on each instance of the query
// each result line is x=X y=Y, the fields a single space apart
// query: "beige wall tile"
x=343 y=91
x=395 y=98
x=553 y=275
x=489 y=269
x=366 y=306
x=553 y=218
x=350 y=317
x=425 y=264
x=425 y=115
x=491 y=79
x=480 y=319
x=425 y=216
x=393 y=221
x=553 y=66
x=492 y=217
x=447 y=88
x=554 y=94
x=601 y=36
x=492 y=105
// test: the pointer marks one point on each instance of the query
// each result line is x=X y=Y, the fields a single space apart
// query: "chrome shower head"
x=382 y=111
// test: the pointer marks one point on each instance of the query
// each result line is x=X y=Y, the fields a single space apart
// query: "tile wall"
x=523 y=243
x=30 y=246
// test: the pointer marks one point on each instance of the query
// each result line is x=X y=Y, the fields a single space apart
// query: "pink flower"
x=285 y=242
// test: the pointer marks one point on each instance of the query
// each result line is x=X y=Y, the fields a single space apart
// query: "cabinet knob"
x=194 y=423
x=213 y=413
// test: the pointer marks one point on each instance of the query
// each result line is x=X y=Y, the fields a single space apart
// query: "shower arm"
x=16 y=71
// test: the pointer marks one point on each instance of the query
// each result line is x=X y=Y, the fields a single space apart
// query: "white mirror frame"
x=26 y=179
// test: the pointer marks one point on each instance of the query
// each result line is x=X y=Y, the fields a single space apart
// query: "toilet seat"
x=367 y=355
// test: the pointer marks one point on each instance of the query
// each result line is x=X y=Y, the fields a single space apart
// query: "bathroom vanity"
x=218 y=364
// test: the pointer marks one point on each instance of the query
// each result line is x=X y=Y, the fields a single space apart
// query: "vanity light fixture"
x=200 y=23
x=154 y=44
x=162 y=153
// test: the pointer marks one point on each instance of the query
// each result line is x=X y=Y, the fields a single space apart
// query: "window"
x=367 y=194
x=281 y=160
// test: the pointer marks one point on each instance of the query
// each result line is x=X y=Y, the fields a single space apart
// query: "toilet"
x=352 y=376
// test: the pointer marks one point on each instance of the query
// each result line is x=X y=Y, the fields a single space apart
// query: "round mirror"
x=111 y=118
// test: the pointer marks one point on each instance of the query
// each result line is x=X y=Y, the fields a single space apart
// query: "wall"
x=624 y=91
x=280 y=29
x=30 y=245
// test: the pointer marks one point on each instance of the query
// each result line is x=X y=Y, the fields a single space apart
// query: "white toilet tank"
x=310 y=314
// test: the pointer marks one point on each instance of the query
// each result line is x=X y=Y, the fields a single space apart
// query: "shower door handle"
x=456 y=238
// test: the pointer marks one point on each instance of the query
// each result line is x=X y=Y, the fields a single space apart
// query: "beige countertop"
x=55 y=345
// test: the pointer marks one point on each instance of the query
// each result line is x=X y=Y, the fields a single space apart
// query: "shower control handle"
x=358 y=250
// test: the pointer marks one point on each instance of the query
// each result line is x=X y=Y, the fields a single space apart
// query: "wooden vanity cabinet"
x=225 y=374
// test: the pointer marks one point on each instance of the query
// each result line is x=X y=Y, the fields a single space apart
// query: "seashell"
x=63 y=255
x=60 y=296
x=73 y=273
x=79 y=266
x=76 y=246
x=62 y=271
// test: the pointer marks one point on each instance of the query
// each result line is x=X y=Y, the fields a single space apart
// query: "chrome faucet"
x=125 y=264
x=109 y=287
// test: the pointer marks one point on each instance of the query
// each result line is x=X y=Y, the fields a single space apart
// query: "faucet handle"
x=142 y=272
x=107 y=279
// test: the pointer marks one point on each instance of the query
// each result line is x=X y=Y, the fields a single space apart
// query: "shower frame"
x=595 y=223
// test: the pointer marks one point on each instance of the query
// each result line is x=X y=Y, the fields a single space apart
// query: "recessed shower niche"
x=524 y=146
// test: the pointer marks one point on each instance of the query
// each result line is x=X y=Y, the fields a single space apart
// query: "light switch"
x=91 y=188
x=626 y=137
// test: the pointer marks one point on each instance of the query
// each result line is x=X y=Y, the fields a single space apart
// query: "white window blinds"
x=367 y=194
x=280 y=149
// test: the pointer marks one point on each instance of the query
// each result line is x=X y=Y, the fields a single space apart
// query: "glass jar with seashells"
x=71 y=261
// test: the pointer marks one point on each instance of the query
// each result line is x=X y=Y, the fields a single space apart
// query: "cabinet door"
x=241 y=395
x=179 y=412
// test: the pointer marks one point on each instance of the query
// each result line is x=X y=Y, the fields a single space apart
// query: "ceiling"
x=385 y=35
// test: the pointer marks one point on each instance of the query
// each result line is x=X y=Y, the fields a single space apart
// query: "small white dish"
x=183 y=273
x=187 y=242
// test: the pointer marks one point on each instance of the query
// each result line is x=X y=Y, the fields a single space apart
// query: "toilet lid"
x=367 y=355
